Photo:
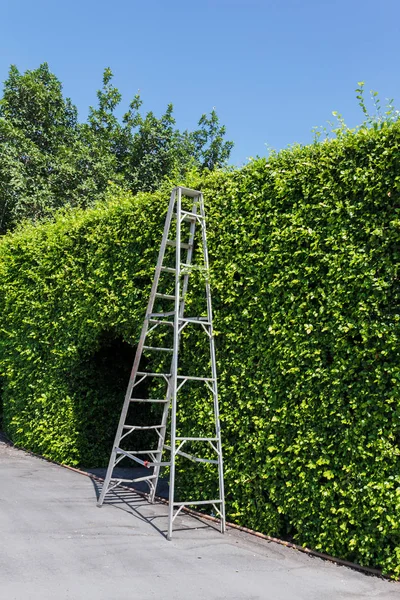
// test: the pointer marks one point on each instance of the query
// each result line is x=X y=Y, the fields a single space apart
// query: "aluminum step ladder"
x=185 y=212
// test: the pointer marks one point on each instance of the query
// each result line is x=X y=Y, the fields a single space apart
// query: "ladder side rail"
x=174 y=366
x=189 y=256
x=213 y=366
x=161 y=441
x=160 y=444
x=139 y=351
x=153 y=292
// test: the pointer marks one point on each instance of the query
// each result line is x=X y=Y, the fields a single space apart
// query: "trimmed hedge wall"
x=70 y=290
x=305 y=255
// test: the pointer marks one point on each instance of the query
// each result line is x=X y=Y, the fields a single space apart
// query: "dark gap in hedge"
x=99 y=385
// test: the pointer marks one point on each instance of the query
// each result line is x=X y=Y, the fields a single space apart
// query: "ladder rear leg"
x=160 y=448
x=107 y=480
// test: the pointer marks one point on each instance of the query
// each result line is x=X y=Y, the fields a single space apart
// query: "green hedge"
x=305 y=254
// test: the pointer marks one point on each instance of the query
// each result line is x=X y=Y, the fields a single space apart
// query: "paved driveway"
x=57 y=545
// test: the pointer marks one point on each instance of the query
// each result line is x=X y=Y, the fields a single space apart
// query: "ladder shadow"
x=135 y=504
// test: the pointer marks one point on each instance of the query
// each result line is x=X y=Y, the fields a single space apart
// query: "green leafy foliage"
x=305 y=257
x=49 y=160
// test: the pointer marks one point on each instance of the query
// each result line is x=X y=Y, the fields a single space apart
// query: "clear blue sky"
x=272 y=69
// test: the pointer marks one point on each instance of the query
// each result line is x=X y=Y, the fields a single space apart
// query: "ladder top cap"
x=188 y=192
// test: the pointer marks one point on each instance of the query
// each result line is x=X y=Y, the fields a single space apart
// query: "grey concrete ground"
x=57 y=545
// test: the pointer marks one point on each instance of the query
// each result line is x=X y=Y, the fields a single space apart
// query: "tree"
x=49 y=160
x=211 y=150
x=33 y=103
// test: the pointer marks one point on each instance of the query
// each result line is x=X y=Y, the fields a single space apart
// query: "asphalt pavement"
x=56 y=544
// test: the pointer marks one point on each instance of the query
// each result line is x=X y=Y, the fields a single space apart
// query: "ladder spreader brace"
x=173 y=379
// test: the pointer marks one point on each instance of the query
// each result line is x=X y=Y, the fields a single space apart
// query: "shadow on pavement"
x=131 y=502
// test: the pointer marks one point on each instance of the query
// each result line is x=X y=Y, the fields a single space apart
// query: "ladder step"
x=190 y=266
x=145 y=374
x=194 y=458
x=116 y=481
x=183 y=245
x=201 y=320
x=148 y=400
x=197 y=439
x=190 y=378
x=193 y=502
x=145 y=451
x=161 y=322
x=188 y=192
x=164 y=314
x=166 y=296
x=141 y=427
x=145 y=478
x=157 y=349
x=198 y=320
x=168 y=269
x=145 y=463
x=189 y=216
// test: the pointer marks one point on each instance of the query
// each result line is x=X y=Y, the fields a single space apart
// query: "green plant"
x=305 y=259
x=50 y=160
